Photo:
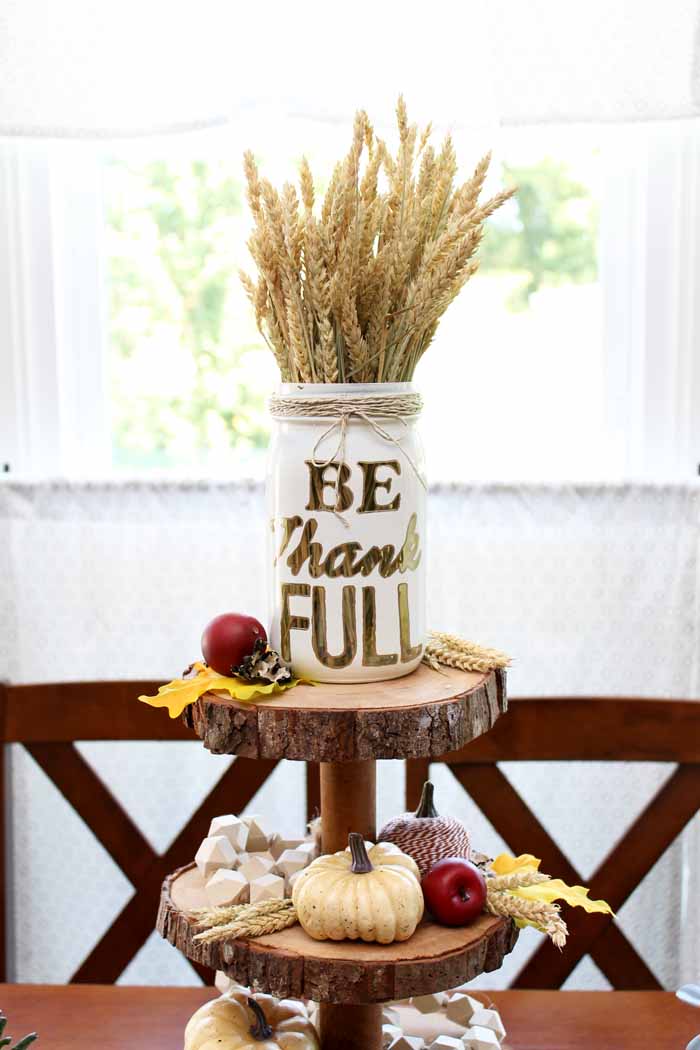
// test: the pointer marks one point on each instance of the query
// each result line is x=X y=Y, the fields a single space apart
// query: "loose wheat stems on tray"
x=352 y=291
x=244 y=920
x=450 y=650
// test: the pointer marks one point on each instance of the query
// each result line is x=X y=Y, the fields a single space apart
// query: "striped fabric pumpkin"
x=425 y=835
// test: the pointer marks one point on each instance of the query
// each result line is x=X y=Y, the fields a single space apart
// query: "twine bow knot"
x=368 y=408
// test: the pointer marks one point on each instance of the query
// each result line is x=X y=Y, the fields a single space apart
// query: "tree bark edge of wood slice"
x=426 y=729
x=354 y=979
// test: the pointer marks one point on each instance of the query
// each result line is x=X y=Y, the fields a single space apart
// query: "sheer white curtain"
x=650 y=278
x=592 y=589
x=61 y=69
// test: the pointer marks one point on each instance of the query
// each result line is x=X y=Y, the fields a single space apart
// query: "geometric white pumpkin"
x=478 y=1038
x=461 y=1008
x=428 y=1004
x=226 y=887
x=258 y=837
x=489 y=1019
x=256 y=865
x=267 y=887
x=292 y=860
x=233 y=828
x=215 y=852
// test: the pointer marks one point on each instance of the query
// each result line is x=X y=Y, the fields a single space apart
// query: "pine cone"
x=263 y=665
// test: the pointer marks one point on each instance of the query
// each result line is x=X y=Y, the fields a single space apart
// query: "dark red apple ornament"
x=454 y=891
x=228 y=639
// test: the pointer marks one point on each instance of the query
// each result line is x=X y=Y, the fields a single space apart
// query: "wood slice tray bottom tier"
x=291 y=964
x=424 y=714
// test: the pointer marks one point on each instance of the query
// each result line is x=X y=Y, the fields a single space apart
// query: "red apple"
x=454 y=891
x=228 y=638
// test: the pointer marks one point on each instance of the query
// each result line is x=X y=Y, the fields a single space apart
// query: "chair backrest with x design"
x=47 y=720
x=581 y=730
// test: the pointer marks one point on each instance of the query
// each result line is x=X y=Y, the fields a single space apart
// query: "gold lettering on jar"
x=370 y=484
x=346 y=559
x=307 y=550
x=408 y=652
x=370 y=656
x=339 y=561
x=319 y=482
x=319 y=633
x=288 y=622
x=410 y=552
x=289 y=527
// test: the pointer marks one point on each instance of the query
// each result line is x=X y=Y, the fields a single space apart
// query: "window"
x=189 y=372
x=571 y=355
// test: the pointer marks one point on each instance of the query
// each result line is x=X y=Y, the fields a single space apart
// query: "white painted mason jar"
x=347 y=509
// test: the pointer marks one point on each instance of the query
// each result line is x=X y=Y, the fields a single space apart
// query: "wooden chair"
x=581 y=730
x=46 y=720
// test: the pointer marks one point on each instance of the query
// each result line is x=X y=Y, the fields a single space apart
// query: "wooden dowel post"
x=350 y=1027
x=348 y=803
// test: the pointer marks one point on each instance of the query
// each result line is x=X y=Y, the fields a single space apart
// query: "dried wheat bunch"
x=352 y=292
x=218 y=916
x=245 y=920
x=453 y=651
x=515 y=880
x=542 y=914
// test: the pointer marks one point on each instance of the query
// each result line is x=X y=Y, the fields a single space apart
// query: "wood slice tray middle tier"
x=423 y=715
x=292 y=964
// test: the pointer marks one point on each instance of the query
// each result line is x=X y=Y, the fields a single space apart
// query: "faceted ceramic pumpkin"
x=239 y=1021
x=358 y=894
x=425 y=835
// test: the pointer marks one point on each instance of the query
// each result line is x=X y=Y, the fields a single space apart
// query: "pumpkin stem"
x=361 y=864
x=260 y=1029
x=426 y=807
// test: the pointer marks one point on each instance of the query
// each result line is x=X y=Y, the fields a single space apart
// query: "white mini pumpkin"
x=358 y=894
x=240 y=1021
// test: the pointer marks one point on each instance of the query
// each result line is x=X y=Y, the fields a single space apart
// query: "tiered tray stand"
x=346 y=728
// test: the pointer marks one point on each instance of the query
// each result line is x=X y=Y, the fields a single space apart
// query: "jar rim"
x=304 y=390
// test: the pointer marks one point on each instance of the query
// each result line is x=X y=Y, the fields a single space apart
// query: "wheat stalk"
x=542 y=914
x=244 y=920
x=452 y=651
x=515 y=880
x=355 y=294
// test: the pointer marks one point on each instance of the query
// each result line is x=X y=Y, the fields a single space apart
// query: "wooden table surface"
x=96 y=1017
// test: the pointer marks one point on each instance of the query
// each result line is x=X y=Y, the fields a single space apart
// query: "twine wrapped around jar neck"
x=400 y=407
x=380 y=406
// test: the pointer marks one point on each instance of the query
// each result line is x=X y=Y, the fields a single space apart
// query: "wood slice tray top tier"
x=292 y=964
x=425 y=714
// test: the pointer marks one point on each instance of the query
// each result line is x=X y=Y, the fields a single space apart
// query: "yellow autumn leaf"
x=549 y=891
x=504 y=864
x=556 y=889
x=177 y=695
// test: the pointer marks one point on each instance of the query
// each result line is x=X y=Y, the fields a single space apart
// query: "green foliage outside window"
x=179 y=327
x=184 y=349
x=547 y=233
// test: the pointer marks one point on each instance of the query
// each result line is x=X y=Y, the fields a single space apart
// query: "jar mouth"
x=306 y=390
